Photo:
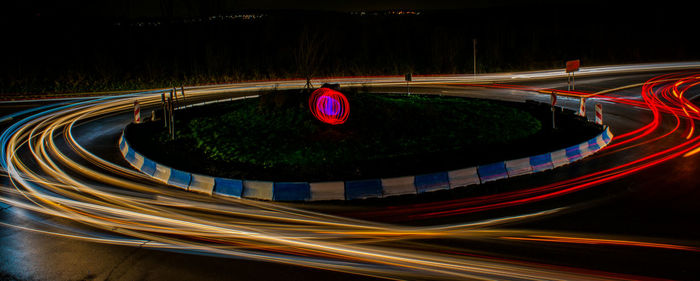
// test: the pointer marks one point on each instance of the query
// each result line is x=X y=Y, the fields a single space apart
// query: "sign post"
x=173 y=95
x=409 y=78
x=137 y=112
x=553 y=99
x=182 y=91
x=571 y=67
x=171 y=104
x=165 y=110
x=474 y=41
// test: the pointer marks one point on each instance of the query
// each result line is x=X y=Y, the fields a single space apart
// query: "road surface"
x=72 y=209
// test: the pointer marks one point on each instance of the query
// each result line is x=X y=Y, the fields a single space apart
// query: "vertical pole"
x=573 y=81
x=172 y=120
x=568 y=81
x=172 y=99
x=165 y=111
x=173 y=94
x=474 y=41
x=137 y=112
x=553 y=101
x=408 y=78
x=166 y=117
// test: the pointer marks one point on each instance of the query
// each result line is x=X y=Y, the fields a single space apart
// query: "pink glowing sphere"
x=329 y=106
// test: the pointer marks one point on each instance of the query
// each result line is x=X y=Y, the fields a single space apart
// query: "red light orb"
x=329 y=106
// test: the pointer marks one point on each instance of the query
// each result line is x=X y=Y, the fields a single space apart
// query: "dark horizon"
x=62 y=47
x=114 y=9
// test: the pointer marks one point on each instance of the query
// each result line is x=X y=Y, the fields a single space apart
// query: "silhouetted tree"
x=310 y=52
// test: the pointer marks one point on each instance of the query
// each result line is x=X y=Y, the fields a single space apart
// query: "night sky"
x=182 y=8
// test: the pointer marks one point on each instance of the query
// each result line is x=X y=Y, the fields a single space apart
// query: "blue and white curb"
x=362 y=189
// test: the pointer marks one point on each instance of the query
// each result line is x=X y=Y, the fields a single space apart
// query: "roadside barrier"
x=518 y=167
x=574 y=153
x=559 y=158
x=291 y=191
x=398 y=186
x=334 y=190
x=149 y=167
x=362 y=189
x=162 y=173
x=202 y=184
x=179 y=178
x=228 y=187
x=463 y=177
x=541 y=162
x=492 y=172
x=585 y=151
x=432 y=182
x=258 y=189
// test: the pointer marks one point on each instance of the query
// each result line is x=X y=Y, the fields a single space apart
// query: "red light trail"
x=329 y=106
x=51 y=173
x=658 y=96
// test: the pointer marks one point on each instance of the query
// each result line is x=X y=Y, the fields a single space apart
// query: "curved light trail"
x=52 y=173
x=329 y=106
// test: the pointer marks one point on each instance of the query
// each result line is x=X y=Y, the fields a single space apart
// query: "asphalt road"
x=642 y=224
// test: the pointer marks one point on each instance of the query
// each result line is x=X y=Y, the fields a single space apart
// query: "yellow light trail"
x=52 y=173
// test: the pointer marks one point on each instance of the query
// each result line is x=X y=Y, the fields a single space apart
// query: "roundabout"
x=386 y=135
x=67 y=178
x=389 y=137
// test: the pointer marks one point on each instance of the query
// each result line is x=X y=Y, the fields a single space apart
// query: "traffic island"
x=273 y=148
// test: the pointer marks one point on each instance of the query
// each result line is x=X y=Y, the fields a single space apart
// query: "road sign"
x=582 y=108
x=137 y=112
x=572 y=65
x=599 y=114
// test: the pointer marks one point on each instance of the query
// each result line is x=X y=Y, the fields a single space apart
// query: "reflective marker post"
x=137 y=112
x=553 y=99
x=599 y=114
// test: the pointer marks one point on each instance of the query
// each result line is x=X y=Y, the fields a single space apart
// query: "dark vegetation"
x=63 y=54
x=275 y=138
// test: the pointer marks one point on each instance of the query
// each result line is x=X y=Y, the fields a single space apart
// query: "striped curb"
x=361 y=189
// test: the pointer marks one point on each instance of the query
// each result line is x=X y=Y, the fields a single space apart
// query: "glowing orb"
x=329 y=106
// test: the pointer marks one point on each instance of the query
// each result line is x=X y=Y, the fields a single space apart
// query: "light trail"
x=51 y=173
x=652 y=92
